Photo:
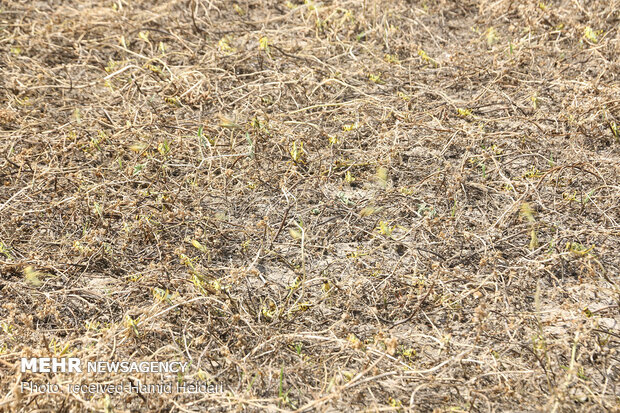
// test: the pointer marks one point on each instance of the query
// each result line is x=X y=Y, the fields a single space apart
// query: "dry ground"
x=322 y=205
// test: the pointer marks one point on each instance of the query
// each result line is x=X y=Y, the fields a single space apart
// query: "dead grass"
x=369 y=205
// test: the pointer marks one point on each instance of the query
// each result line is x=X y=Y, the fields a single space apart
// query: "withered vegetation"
x=324 y=205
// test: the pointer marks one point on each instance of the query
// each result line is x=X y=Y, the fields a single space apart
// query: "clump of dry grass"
x=380 y=205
